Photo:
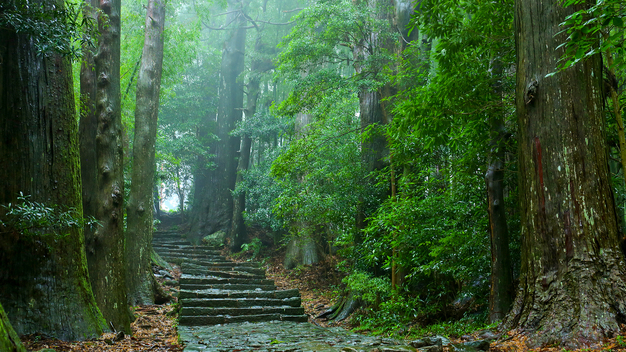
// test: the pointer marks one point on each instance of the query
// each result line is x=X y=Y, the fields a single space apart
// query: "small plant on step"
x=254 y=246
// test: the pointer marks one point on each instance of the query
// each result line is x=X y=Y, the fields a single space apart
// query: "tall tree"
x=257 y=67
x=44 y=285
x=139 y=277
x=572 y=289
x=213 y=209
x=501 y=293
x=105 y=247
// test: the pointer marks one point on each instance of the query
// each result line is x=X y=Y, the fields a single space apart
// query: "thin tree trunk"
x=238 y=227
x=105 y=248
x=501 y=293
x=403 y=10
x=139 y=232
x=572 y=289
x=44 y=285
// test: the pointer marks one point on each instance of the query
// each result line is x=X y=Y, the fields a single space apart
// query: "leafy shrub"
x=37 y=219
x=254 y=246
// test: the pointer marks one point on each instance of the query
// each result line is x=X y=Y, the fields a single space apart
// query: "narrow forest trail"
x=228 y=306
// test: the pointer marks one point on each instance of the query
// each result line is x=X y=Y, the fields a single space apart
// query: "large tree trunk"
x=44 y=285
x=501 y=293
x=9 y=341
x=139 y=229
x=214 y=203
x=572 y=290
x=105 y=247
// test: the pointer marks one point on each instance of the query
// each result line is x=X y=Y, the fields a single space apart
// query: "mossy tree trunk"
x=572 y=289
x=9 y=341
x=44 y=283
x=105 y=247
x=139 y=276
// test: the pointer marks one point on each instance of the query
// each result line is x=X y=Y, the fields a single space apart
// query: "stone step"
x=218 y=294
x=184 y=245
x=222 y=266
x=295 y=318
x=214 y=290
x=244 y=302
x=186 y=249
x=230 y=287
x=214 y=320
x=211 y=280
x=238 y=311
x=159 y=233
x=226 y=274
x=168 y=238
x=170 y=243
x=196 y=256
x=181 y=259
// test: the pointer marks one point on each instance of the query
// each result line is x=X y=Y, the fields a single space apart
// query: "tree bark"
x=139 y=211
x=257 y=67
x=213 y=208
x=105 y=247
x=501 y=293
x=44 y=285
x=9 y=341
x=88 y=125
x=572 y=289
x=238 y=227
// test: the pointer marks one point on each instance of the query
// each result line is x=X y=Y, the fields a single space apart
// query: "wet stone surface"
x=282 y=336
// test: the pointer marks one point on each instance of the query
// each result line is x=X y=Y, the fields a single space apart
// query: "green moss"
x=9 y=341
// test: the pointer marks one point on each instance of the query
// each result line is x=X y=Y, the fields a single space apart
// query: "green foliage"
x=456 y=328
x=439 y=141
x=60 y=29
x=320 y=171
x=262 y=192
x=254 y=247
x=620 y=341
x=594 y=29
x=372 y=290
x=331 y=42
x=35 y=219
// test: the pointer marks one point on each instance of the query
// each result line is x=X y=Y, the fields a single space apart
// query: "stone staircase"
x=214 y=290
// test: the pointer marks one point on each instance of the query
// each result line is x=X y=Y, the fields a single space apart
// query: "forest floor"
x=153 y=330
x=320 y=283
x=155 y=327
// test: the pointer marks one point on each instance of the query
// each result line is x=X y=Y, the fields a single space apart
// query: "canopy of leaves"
x=53 y=28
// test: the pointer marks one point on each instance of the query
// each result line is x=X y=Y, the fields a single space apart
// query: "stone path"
x=282 y=336
x=227 y=306
x=214 y=290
